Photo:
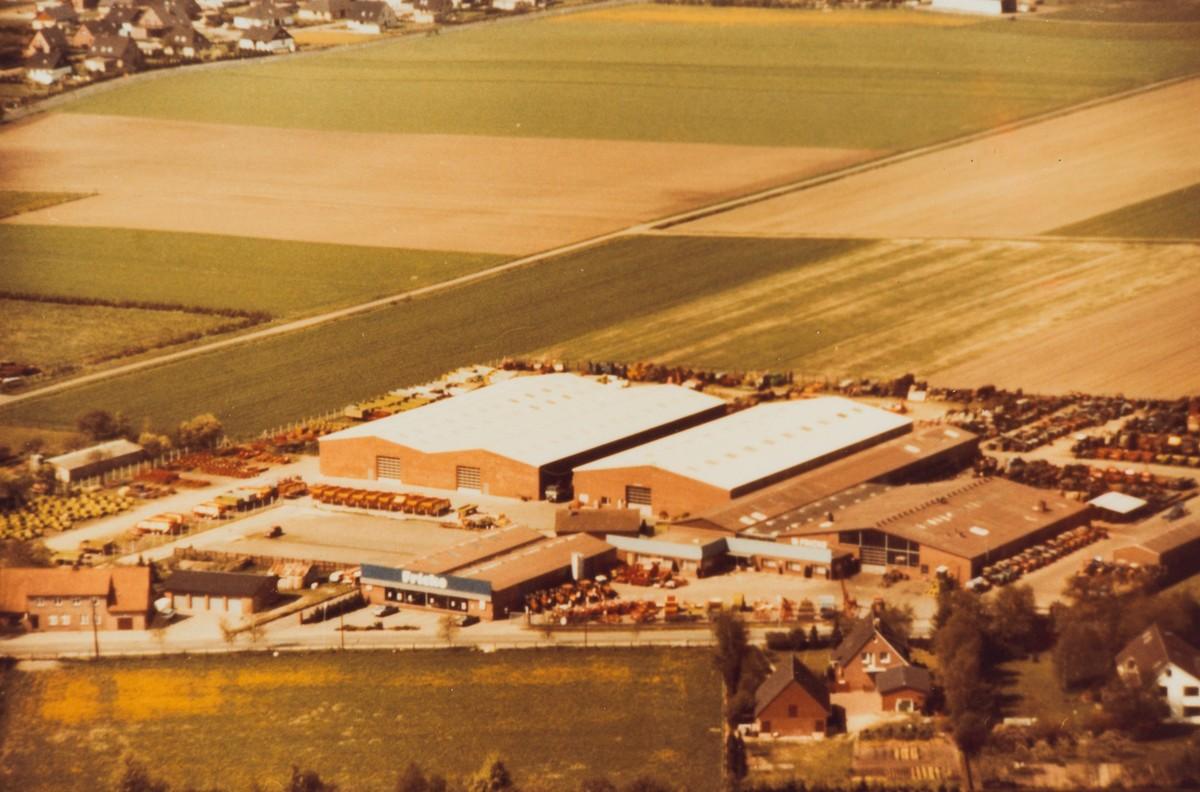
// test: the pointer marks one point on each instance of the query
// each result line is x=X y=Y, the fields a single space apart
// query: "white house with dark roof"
x=1172 y=663
x=270 y=41
x=47 y=69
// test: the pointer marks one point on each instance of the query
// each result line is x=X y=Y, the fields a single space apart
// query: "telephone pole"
x=95 y=631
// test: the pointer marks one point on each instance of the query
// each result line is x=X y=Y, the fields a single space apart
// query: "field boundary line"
x=1053 y=238
x=903 y=156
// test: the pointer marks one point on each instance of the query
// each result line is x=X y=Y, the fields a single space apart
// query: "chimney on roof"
x=1042 y=506
x=829 y=516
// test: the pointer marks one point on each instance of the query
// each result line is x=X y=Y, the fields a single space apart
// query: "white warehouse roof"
x=536 y=420
x=757 y=443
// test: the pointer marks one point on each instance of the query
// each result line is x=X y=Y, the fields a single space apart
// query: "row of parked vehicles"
x=1011 y=569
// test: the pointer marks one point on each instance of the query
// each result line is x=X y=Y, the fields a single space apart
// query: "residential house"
x=46 y=41
x=63 y=16
x=112 y=55
x=867 y=651
x=223 y=593
x=185 y=42
x=324 y=10
x=264 y=15
x=904 y=688
x=1163 y=658
x=371 y=16
x=512 y=5
x=46 y=69
x=85 y=36
x=792 y=702
x=73 y=599
x=271 y=41
x=119 y=17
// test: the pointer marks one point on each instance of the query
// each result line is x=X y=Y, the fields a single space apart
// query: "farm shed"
x=493 y=588
x=233 y=593
x=514 y=438
x=710 y=465
x=70 y=598
x=598 y=522
x=96 y=460
x=959 y=525
x=926 y=452
x=696 y=552
x=792 y=702
x=1176 y=548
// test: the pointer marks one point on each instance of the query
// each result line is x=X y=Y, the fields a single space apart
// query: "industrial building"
x=699 y=552
x=515 y=438
x=958 y=526
x=95 y=461
x=709 y=465
x=1173 y=545
x=225 y=593
x=488 y=577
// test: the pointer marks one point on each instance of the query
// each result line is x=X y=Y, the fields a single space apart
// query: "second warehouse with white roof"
x=709 y=465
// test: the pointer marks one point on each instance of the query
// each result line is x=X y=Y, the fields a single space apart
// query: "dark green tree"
x=732 y=640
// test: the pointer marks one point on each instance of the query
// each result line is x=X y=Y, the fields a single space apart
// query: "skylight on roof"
x=975 y=529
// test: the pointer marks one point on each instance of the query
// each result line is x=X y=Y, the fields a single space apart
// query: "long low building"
x=927 y=452
x=1173 y=545
x=958 y=526
x=698 y=552
x=95 y=460
x=494 y=586
x=514 y=438
x=712 y=464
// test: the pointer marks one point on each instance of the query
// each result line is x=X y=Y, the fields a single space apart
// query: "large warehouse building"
x=960 y=525
x=488 y=577
x=514 y=438
x=711 y=464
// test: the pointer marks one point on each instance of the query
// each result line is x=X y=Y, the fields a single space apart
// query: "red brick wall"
x=676 y=495
x=854 y=676
x=810 y=717
x=893 y=698
x=355 y=458
x=77 y=614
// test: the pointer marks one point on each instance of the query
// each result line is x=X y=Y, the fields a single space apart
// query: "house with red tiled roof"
x=1163 y=658
x=867 y=651
x=792 y=702
x=73 y=598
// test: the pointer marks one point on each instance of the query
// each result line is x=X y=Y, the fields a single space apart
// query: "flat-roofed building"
x=961 y=525
x=514 y=438
x=491 y=587
x=712 y=464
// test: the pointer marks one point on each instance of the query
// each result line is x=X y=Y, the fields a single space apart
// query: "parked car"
x=384 y=610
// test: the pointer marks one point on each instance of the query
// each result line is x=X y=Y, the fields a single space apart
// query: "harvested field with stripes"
x=1019 y=183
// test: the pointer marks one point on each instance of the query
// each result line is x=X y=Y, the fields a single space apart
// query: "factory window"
x=387 y=467
x=1191 y=691
x=637 y=496
x=468 y=478
x=848 y=537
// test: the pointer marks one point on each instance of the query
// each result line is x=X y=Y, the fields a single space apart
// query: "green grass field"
x=32 y=332
x=815 y=306
x=1175 y=215
x=883 y=80
x=359 y=718
x=1126 y=11
x=14 y=202
x=282 y=278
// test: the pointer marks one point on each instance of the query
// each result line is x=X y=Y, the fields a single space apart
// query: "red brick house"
x=74 y=599
x=867 y=651
x=903 y=688
x=792 y=702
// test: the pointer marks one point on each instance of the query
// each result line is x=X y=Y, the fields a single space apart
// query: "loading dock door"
x=387 y=467
x=637 y=496
x=468 y=478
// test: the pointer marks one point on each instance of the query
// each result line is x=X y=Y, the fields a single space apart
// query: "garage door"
x=637 y=496
x=387 y=467
x=467 y=478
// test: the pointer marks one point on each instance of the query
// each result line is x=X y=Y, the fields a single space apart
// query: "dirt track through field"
x=436 y=192
x=1019 y=183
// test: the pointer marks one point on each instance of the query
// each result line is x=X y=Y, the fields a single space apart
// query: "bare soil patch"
x=436 y=192
x=1144 y=347
x=1015 y=184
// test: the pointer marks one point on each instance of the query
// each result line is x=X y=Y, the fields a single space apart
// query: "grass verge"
x=15 y=202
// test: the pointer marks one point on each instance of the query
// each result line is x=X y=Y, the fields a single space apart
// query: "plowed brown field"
x=1148 y=346
x=437 y=192
x=1018 y=183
